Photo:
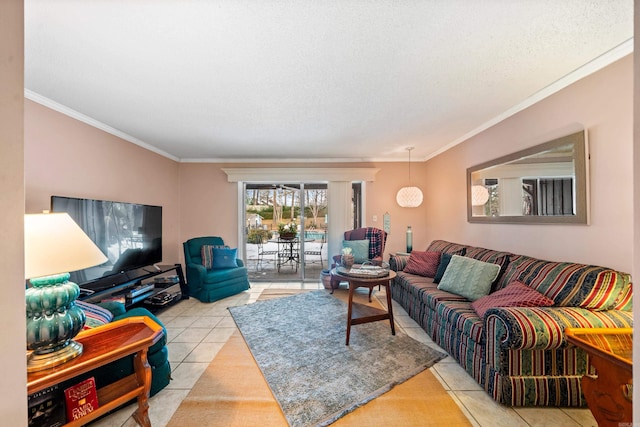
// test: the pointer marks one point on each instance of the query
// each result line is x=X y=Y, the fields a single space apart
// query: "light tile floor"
x=198 y=330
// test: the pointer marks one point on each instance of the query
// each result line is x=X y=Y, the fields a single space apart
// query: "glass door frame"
x=301 y=188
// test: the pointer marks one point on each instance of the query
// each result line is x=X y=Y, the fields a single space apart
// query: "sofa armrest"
x=239 y=262
x=398 y=262
x=542 y=328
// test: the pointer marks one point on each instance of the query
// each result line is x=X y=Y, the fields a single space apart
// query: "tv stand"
x=143 y=287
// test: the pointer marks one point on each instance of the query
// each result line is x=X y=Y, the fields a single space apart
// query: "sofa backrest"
x=568 y=284
x=571 y=284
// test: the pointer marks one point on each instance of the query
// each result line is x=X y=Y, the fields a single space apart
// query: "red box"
x=81 y=399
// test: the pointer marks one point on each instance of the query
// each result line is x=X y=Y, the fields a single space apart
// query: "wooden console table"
x=609 y=394
x=102 y=345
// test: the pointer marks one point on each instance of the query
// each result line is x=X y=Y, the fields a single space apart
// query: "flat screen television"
x=129 y=234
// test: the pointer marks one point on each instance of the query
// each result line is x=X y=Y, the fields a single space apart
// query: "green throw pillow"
x=359 y=249
x=468 y=277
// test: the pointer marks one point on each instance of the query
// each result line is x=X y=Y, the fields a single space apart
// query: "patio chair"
x=315 y=252
x=265 y=252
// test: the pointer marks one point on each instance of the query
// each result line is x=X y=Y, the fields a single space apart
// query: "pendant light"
x=479 y=195
x=409 y=197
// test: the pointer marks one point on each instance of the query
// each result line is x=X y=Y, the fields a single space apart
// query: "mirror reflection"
x=543 y=184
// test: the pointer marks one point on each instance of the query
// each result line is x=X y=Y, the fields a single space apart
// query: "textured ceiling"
x=310 y=80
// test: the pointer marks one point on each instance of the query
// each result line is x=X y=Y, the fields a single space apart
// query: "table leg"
x=390 y=309
x=143 y=373
x=606 y=394
x=349 y=311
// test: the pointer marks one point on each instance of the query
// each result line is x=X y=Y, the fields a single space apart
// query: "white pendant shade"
x=409 y=197
x=479 y=195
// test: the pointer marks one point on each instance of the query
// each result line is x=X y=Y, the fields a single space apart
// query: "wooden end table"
x=102 y=345
x=609 y=394
x=374 y=313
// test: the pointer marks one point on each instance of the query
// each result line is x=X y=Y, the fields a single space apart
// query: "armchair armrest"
x=195 y=274
x=198 y=269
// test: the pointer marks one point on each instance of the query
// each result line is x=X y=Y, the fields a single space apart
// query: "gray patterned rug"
x=299 y=344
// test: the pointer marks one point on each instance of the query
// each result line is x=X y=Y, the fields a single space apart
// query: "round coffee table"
x=367 y=282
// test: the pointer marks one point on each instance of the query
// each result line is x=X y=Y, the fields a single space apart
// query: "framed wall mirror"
x=545 y=184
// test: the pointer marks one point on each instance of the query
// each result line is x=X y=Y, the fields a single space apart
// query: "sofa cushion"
x=225 y=257
x=516 y=294
x=571 y=284
x=445 y=258
x=96 y=315
x=460 y=316
x=423 y=263
x=359 y=249
x=468 y=277
x=220 y=275
x=489 y=255
x=510 y=272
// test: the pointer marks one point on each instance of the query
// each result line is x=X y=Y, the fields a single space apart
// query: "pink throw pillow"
x=515 y=294
x=423 y=263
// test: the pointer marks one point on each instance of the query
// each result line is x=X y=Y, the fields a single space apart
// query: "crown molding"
x=300 y=174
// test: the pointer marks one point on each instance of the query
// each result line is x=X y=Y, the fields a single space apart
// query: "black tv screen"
x=129 y=234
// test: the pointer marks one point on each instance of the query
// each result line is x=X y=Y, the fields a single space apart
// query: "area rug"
x=298 y=344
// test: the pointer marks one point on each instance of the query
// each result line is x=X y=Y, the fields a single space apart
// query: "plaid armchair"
x=377 y=239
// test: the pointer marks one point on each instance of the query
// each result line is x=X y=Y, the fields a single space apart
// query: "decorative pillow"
x=468 y=277
x=225 y=257
x=96 y=315
x=359 y=249
x=423 y=263
x=206 y=253
x=515 y=294
x=442 y=267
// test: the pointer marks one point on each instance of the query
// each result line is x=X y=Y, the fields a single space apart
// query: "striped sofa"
x=519 y=355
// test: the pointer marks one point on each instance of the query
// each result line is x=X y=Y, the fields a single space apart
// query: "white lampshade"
x=409 y=197
x=54 y=243
x=479 y=195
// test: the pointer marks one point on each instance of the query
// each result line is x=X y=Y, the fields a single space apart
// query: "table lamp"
x=54 y=245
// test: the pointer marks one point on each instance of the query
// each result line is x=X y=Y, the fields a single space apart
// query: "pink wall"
x=210 y=202
x=603 y=103
x=65 y=157
x=197 y=199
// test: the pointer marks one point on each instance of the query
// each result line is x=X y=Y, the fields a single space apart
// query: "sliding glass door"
x=285 y=228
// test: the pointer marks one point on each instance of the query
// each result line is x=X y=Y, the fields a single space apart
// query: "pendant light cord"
x=409 y=149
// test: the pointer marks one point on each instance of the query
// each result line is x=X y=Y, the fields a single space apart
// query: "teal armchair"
x=212 y=284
